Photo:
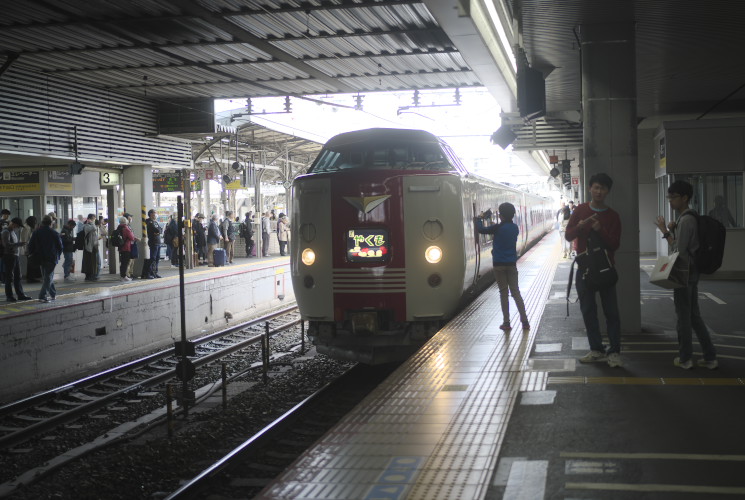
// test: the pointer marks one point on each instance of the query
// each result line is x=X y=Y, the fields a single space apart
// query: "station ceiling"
x=689 y=53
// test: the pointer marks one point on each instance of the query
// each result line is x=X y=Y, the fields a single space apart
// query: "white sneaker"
x=686 y=365
x=614 y=360
x=126 y=278
x=70 y=278
x=593 y=357
x=711 y=364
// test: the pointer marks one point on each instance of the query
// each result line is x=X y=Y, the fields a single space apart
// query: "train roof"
x=378 y=134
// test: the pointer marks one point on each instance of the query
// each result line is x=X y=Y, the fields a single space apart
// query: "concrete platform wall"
x=58 y=344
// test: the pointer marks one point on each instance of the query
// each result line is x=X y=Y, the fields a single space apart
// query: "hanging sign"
x=209 y=174
x=109 y=179
x=167 y=184
x=19 y=181
x=59 y=180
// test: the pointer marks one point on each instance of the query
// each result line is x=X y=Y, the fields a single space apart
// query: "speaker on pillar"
x=503 y=137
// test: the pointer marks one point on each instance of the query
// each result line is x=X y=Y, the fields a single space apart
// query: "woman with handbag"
x=125 y=250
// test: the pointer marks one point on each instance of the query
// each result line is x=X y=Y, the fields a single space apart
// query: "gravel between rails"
x=152 y=465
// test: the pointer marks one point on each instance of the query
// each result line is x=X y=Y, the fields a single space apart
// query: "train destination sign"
x=367 y=245
x=167 y=184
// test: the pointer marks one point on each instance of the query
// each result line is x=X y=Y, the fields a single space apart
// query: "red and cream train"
x=384 y=244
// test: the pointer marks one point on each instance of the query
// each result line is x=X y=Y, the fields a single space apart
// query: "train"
x=384 y=243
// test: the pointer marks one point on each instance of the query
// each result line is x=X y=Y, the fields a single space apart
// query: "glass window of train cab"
x=718 y=196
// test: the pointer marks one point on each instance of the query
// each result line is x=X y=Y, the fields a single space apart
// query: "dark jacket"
x=200 y=238
x=153 y=232
x=45 y=242
x=171 y=232
x=213 y=233
x=68 y=239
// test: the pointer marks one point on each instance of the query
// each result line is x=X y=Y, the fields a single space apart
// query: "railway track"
x=248 y=468
x=64 y=413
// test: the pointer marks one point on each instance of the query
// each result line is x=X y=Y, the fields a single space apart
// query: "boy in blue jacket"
x=504 y=259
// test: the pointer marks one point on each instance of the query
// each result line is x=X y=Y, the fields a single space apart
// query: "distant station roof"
x=243 y=48
x=686 y=51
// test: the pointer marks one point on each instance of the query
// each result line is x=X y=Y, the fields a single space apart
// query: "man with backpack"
x=682 y=236
x=227 y=231
x=596 y=224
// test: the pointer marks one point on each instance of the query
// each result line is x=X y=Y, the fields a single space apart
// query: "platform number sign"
x=109 y=178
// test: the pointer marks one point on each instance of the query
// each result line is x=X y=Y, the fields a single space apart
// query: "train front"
x=377 y=251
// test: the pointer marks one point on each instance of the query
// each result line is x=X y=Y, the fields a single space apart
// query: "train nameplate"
x=367 y=245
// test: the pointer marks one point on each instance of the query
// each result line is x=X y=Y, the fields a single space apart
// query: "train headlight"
x=308 y=257
x=433 y=254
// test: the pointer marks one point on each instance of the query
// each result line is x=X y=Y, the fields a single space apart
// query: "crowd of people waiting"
x=31 y=249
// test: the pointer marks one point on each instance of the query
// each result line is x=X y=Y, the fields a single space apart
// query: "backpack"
x=80 y=240
x=116 y=238
x=599 y=273
x=711 y=237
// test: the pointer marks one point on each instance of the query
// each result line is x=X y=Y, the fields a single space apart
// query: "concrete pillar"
x=138 y=193
x=610 y=144
x=112 y=207
x=207 y=199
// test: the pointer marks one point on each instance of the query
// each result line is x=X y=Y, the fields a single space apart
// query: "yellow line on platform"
x=680 y=488
x=689 y=381
x=652 y=456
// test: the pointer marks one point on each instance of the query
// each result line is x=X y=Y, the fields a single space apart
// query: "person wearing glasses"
x=682 y=237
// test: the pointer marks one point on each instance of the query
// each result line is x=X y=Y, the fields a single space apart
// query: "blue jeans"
x=689 y=319
x=589 y=308
x=47 y=280
x=67 y=265
x=154 y=259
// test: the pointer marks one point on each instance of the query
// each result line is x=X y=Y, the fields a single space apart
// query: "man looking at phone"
x=598 y=217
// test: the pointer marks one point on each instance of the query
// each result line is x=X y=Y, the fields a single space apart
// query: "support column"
x=207 y=200
x=138 y=192
x=112 y=207
x=610 y=144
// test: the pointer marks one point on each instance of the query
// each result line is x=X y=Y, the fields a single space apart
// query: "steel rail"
x=51 y=394
x=190 y=489
x=85 y=408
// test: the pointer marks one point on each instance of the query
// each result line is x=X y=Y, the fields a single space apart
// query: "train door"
x=477 y=246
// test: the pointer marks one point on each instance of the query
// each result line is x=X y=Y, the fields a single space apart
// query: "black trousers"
x=124 y=258
x=12 y=276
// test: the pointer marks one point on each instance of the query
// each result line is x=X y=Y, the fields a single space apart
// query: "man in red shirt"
x=597 y=217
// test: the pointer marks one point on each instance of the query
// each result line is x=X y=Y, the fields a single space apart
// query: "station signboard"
x=59 y=180
x=13 y=182
x=109 y=179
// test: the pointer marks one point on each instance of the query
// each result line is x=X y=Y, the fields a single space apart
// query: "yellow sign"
x=236 y=184
x=19 y=181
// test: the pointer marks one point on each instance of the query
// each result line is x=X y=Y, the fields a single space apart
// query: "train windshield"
x=403 y=155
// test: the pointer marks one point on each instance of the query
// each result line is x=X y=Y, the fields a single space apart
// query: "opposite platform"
x=95 y=325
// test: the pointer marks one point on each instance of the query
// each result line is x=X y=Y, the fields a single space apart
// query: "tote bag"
x=670 y=272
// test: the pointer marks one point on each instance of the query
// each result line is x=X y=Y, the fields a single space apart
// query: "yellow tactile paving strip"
x=688 y=381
